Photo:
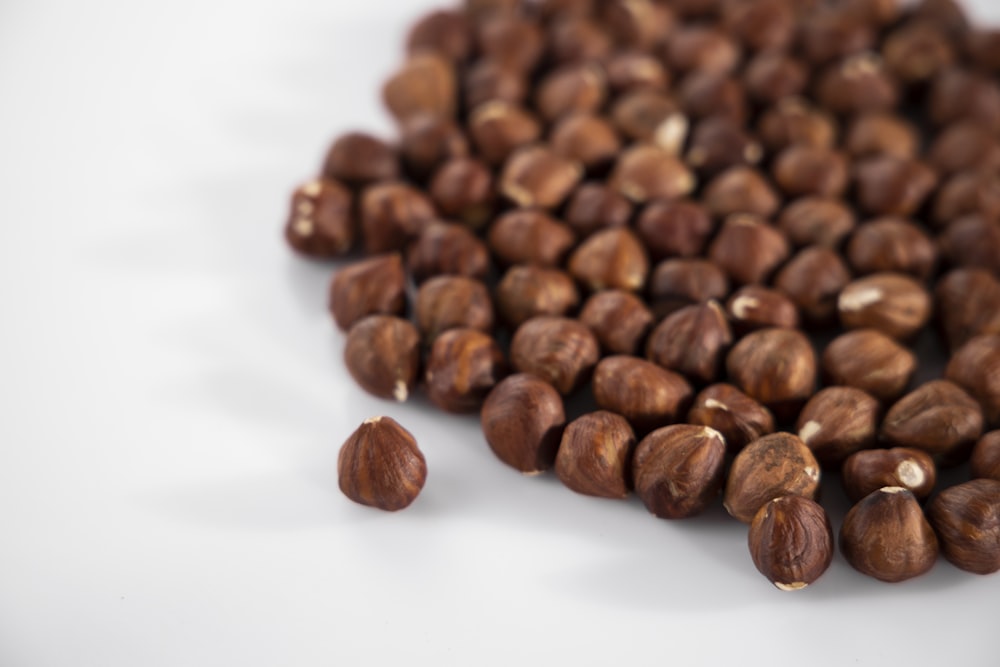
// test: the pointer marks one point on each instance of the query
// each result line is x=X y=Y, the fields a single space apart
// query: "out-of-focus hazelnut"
x=527 y=291
x=892 y=303
x=679 y=282
x=718 y=143
x=588 y=139
x=462 y=189
x=916 y=51
x=967 y=520
x=595 y=206
x=425 y=84
x=452 y=302
x=772 y=76
x=321 y=223
x=619 y=319
x=813 y=279
x=488 y=81
x=462 y=368
x=392 y=214
x=740 y=190
x=893 y=186
x=794 y=121
x=804 y=170
x=652 y=117
x=528 y=236
x=374 y=286
x=754 y=307
x=892 y=245
x=447 y=249
x=817 y=221
x=857 y=84
x=748 y=249
x=512 y=41
x=499 y=128
x=535 y=176
x=881 y=133
x=837 y=422
x=571 y=89
x=674 y=228
x=613 y=258
x=974 y=242
x=646 y=172
x=985 y=461
x=968 y=305
x=702 y=48
x=976 y=368
x=357 y=159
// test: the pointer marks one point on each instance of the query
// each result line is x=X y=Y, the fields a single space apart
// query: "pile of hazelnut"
x=723 y=223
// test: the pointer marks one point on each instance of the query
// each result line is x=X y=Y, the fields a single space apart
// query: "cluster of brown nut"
x=724 y=220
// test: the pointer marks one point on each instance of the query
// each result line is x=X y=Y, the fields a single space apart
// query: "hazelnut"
x=718 y=143
x=818 y=221
x=537 y=176
x=651 y=116
x=678 y=470
x=976 y=368
x=594 y=454
x=499 y=128
x=647 y=395
x=523 y=421
x=380 y=465
x=858 y=84
x=588 y=139
x=967 y=520
x=646 y=172
x=984 y=49
x=892 y=303
x=871 y=361
x=705 y=94
x=959 y=94
x=740 y=189
x=881 y=133
x=635 y=70
x=488 y=81
x=968 y=305
x=320 y=222
x=452 y=302
x=702 y=48
x=526 y=236
x=674 y=228
x=578 y=88
x=594 y=206
x=640 y=24
x=938 y=418
x=754 y=307
x=833 y=32
x=578 y=39
x=372 y=286
x=358 y=159
x=916 y=51
x=739 y=418
x=692 y=341
x=985 y=461
x=428 y=141
x=964 y=146
x=967 y=193
x=806 y=170
x=513 y=42
x=972 y=241
x=886 y=536
x=813 y=279
x=889 y=185
x=424 y=84
x=382 y=354
x=878 y=13
x=892 y=245
x=748 y=249
x=867 y=471
x=613 y=258
x=463 y=366
x=791 y=542
x=561 y=351
x=772 y=76
x=680 y=282
x=793 y=121
x=462 y=189
x=392 y=214
x=762 y=25
x=446 y=33
x=619 y=320
x=772 y=466
x=776 y=367
x=947 y=14
x=526 y=291
x=446 y=249
x=837 y=422
x=483 y=10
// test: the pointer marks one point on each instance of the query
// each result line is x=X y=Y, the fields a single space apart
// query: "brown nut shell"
x=452 y=302
x=594 y=455
x=739 y=418
x=775 y=465
x=869 y=470
x=938 y=417
x=374 y=286
x=620 y=320
x=523 y=421
x=382 y=354
x=871 y=361
x=561 y=351
x=610 y=259
x=447 y=249
x=321 y=221
x=837 y=422
x=976 y=368
x=678 y=470
x=791 y=542
x=463 y=367
x=985 y=461
x=380 y=465
x=357 y=159
x=776 y=367
x=424 y=84
x=967 y=520
x=892 y=303
x=748 y=249
x=527 y=236
x=754 y=307
x=647 y=395
x=527 y=291
x=692 y=341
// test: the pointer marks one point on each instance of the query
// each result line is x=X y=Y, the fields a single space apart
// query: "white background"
x=173 y=399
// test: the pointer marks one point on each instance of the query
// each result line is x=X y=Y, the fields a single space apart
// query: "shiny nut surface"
x=726 y=409
x=380 y=465
x=647 y=395
x=382 y=354
x=559 y=350
x=837 y=422
x=867 y=471
x=967 y=520
x=594 y=455
x=791 y=542
x=678 y=470
x=523 y=420
x=775 y=465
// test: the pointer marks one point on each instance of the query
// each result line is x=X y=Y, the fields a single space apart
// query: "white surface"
x=173 y=402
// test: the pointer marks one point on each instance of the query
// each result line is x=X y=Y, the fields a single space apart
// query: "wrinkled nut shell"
x=791 y=542
x=594 y=454
x=967 y=520
x=776 y=367
x=382 y=354
x=770 y=467
x=938 y=418
x=837 y=422
x=463 y=367
x=523 y=420
x=678 y=470
x=642 y=392
x=985 y=462
x=380 y=465
x=561 y=351
x=739 y=418
x=870 y=470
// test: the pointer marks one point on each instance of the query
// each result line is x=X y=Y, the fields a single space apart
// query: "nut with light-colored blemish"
x=692 y=341
x=646 y=172
x=776 y=367
x=857 y=84
x=526 y=236
x=967 y=520
x=523 y=420
x=452 y=302
x=813 y=279
x=938 y=417
x=748 y=249
x=382 y=354
x=740 y=189
x=837 y=422
x=610 y=259
x=380 y=465
x=985 y=461
x=594 y=455
x=791 y=542
x=892 y=303
x=462 y=368
x=527 y=291
x=739 y=418
x=976 y=368
x=870 y=470
x=652 y=117
x=718 y=143
x=536 y=176
x=647 y=395
x=793 y=121
x=871 y=361
x=619 y=319
x=772 y=466
x=753 y=307
x=499 y=128
x=320 y=220
x=559 y=350
x=678 y=470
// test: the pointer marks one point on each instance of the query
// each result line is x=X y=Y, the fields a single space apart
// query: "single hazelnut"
x=619 y=319
x=428 y=141
x=818 y=221
x=776 y=367
x=833 y=32
x=392 y=214
x=452 y=302
x=968 y=305
x=985 y=461
x=813 y=279
x=588 y=139
x=892 y=245
x=527 y=291
x=382 y=354
x=462 y=368
x=976 y=368
x=321 y=223
x=380 y=465
x=462 y=189
x=916 y=51
x=837 y=422
x=372 y=286
x=528 y=236
x=754 y=307
x=595 y=206
x=447 y=249
x=674 y=228
x=651 y=116
x=964 y=146
x=967 y=193
x=772 y=466
x=718 y=143
x=772 y=76
x=892 y=303
x=578 y=39
x=857 y=84
x=680 y=282
x=635 y=70
x=488 y=81
x=886 y=536
x=748 y=249
x=793 y=121
x=645 y=172
x=740 y=189
x=706 y=94
x=561 y=351
x=577 y=88
x=512 y=41
x=959 y=94
x=424 y=84
x=692 y=341
x=791 y=542
x=939 y=418
x=869 y=470
x=357 y=159
x=882 y=133
x=647 y=395
x=739 y=418
x=974 y=242
x=594 y=455
x=446 y=33
x=889 y=186
x=613 y=258
x=678 y=470
x=967 y=520
x=947 y=14
x=537 y=176
x=871 y=361
x=523 y=420
x=640 y=24
x=499 y=128
x=762 y=25
x=804 y=170
x=702 y=48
